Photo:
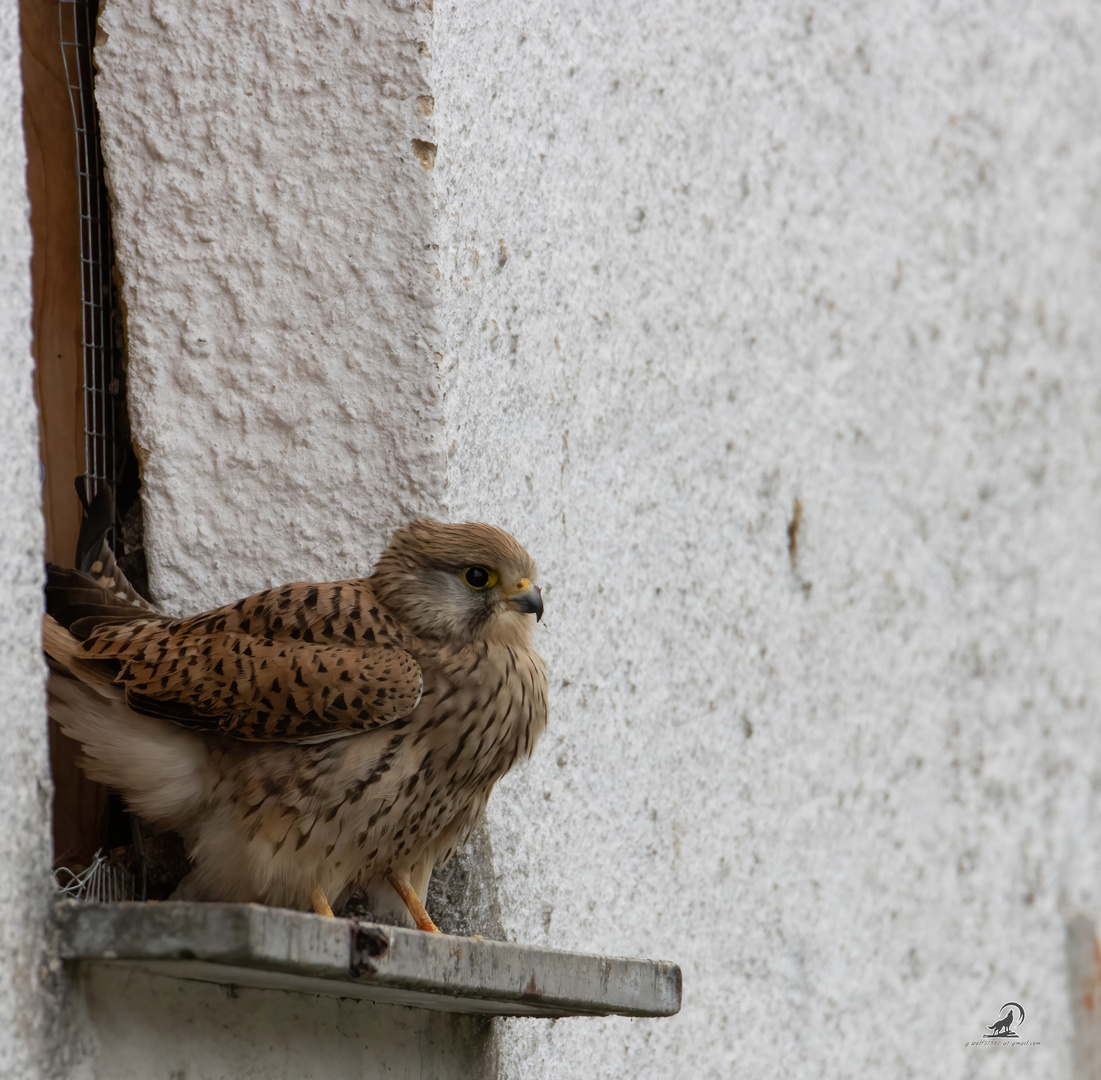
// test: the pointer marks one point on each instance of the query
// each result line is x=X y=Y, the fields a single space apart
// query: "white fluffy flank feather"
x=161 y=769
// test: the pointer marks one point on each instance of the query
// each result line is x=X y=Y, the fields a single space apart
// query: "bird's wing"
x=302 y=662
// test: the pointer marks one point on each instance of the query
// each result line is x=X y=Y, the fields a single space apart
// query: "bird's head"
x=459 y=582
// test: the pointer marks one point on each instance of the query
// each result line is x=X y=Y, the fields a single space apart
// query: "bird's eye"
x=479 y=578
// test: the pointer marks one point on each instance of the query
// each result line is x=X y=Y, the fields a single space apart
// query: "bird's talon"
x=320 y=901
x=410 y=899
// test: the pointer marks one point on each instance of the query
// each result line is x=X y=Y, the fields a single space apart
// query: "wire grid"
x=102 y=356
x=100 y=883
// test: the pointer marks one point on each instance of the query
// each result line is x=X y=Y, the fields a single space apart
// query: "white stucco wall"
x=31 y=1043
x=275 y=224
x=693 y=264
x=848 y=257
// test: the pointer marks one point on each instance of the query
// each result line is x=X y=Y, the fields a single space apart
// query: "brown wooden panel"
x=80 y=806
x=55 y=271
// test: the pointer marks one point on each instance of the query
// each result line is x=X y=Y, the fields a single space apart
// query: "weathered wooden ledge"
x=255 y=946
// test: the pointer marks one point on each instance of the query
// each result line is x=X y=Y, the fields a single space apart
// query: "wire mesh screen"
x=102 y=882
x=108 y=455
x=103 y=359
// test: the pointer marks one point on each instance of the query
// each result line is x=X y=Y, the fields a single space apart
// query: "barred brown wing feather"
x=338 y=612
x=79 y=601
x=301 y=661
x=258 y=690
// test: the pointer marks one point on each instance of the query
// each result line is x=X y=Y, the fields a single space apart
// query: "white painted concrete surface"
x=843 y=255
x=694 y=263
x=276 y=227
x=29 y=1027
x=149 y=1026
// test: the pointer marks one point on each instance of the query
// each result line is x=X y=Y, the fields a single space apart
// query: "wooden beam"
x=80 y=806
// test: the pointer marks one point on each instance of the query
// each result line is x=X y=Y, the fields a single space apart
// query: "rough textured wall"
x=695 y=264
x=701 y=261
x=273 y=221
x=26 y=997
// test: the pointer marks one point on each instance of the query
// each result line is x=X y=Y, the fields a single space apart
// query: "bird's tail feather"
x=159 y=768
x=96 y=590
x=93 y=553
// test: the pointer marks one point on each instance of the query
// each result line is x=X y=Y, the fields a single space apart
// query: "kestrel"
x=316 y=738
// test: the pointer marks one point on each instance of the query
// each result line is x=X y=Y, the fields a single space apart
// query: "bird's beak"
x=526 y=598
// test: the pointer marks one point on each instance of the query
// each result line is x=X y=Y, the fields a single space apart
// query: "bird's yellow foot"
x=320 y=901
x=409 y=897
